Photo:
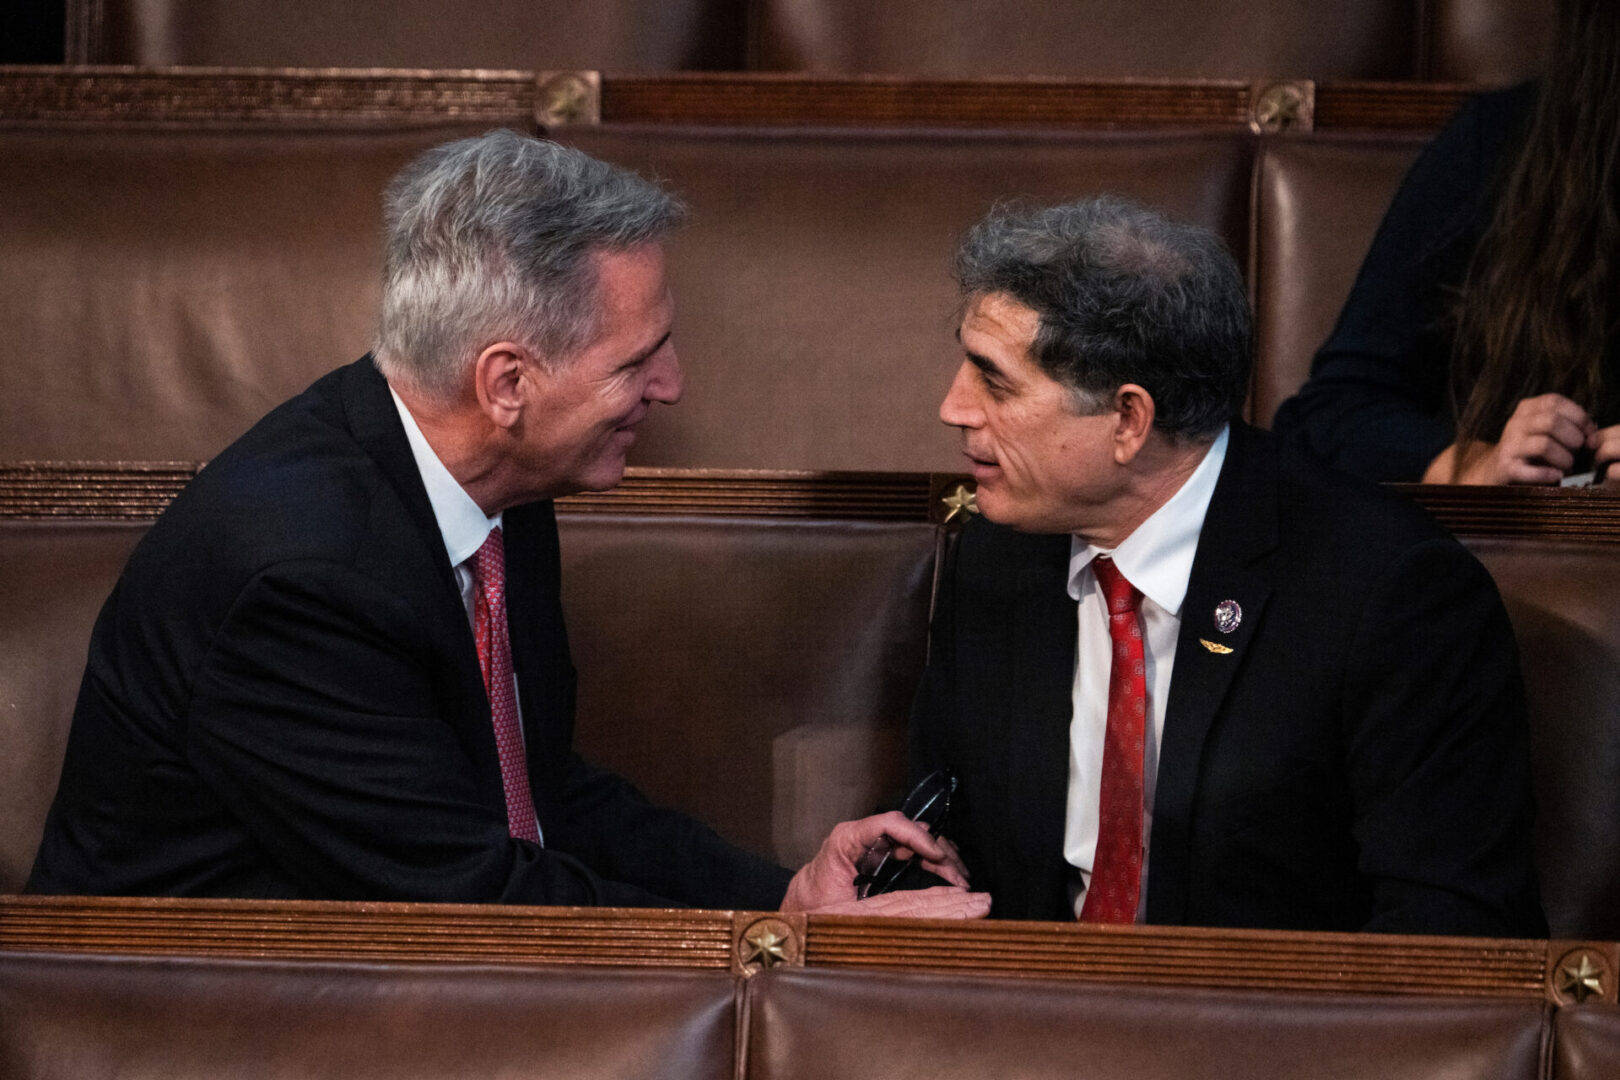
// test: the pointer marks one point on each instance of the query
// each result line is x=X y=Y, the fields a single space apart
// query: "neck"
x=459 y=437
x=1160 y=469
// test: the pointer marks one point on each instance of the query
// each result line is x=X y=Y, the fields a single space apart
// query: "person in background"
x=1481 y=341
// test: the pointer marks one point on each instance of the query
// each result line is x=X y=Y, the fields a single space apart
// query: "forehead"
x=998 y=319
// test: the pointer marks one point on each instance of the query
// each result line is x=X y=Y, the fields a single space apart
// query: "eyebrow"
x=644 y=353
x=984 y=364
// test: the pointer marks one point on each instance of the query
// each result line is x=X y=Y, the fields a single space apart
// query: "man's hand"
x=1538 y=445
x=827 y=882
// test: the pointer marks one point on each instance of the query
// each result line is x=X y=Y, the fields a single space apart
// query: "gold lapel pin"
x=1218 y=650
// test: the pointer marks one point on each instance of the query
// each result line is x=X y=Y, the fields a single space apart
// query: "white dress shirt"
x=461 y=522
x=1157 y=558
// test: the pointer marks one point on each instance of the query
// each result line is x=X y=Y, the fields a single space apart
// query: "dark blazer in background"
x=283 y=699
x=1358 y=760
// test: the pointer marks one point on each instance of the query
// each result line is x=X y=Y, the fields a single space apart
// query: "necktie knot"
x=1120 y=595
x=489 y=563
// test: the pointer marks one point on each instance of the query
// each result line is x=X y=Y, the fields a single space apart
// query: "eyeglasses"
x=877 y=871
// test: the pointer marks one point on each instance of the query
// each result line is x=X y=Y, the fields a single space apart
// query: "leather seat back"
x=162 y=289
x=816 y=1024
x=88 y=1015
x=1364 y=39
x=610 y=35
x=1318 y=201
x=816 y=309
x=1564 y=600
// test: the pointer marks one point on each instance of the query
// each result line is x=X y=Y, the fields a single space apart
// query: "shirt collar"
x=461 y=522
x=1157 y=558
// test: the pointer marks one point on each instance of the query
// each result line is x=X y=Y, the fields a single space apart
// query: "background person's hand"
x=1538 y=445
x=1605 y=444
x=829 y=878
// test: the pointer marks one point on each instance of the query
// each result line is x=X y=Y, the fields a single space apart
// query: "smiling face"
x=1040 y=466
x=582 y=413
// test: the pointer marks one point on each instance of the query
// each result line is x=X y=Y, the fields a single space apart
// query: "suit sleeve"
x=314 y=719
x=1438 y=754
x=614 y=829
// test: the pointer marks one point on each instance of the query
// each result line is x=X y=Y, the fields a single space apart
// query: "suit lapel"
x=374 y=422
x=1041 y=705
x=1225 y=603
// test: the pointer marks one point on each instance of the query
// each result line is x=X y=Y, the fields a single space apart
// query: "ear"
x=1135 y=410
x=498 y=377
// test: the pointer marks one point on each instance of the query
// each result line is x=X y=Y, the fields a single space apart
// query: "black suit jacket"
x=283 y=699
x=1358 y=759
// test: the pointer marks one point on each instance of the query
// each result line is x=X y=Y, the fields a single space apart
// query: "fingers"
x=939 y=902
x=1540 y=440
x=1605 y=444
x=951 y=868
x=902 y=830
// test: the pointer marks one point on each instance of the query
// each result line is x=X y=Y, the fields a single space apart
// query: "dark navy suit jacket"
x=1358 y=759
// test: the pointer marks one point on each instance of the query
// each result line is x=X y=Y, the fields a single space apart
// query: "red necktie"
x=495 y=658
x=1116 y=872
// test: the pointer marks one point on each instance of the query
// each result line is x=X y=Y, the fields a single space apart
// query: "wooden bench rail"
x=746 y=942
x=138 y=491
x=360 y=97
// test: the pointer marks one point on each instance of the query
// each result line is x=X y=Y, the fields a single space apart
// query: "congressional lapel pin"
x=1218 y=650
x=1228 y=616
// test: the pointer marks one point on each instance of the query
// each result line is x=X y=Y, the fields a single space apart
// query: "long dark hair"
x=1538 y=309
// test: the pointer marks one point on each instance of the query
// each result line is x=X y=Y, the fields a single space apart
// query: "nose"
x=960 y=407
x=667 y=382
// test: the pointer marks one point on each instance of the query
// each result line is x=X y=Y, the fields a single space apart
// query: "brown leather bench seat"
x=84 y=1014
x=91 y=1016
x=825 y=1025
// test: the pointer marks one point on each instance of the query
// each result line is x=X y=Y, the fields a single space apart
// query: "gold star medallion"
x=1580 y=979
x=960 y=501
x=766 y=944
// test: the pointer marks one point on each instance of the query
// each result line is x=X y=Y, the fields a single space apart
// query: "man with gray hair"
x=307 y=682
x=1182 y=676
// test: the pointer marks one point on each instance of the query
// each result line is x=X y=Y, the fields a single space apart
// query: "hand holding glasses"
x=879 y=870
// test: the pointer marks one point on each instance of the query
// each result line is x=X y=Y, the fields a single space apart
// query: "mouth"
x=978 y=463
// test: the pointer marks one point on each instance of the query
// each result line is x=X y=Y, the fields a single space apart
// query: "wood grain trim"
x=1388 y=106
x=331 y=930
x=765 y=99
x=461 y=933
x=324 y=97
x=138 y=491
x=1590 y=515
x=1184 y=956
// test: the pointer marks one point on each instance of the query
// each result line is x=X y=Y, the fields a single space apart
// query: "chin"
x=603 y=476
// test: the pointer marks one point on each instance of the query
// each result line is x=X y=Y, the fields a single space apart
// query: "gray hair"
x=1124 y=295
x=489 y=239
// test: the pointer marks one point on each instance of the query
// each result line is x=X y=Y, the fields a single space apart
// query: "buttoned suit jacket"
x=283 y=699
x=1352 y=754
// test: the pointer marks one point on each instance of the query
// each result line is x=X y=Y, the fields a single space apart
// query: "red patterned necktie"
x=495 y=658
x=1116 y=872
